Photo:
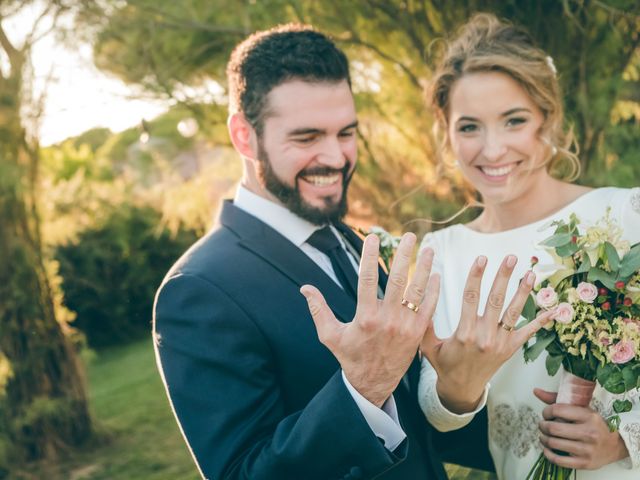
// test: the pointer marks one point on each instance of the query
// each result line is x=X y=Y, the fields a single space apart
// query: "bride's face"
x=494 y=134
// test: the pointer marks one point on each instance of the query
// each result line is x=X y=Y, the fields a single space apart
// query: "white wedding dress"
x=513 y=410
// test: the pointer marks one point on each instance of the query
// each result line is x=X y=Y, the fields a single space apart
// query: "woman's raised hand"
x=466 y=361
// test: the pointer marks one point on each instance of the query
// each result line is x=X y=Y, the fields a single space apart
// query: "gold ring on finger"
x=409 y=305
x=503 y=325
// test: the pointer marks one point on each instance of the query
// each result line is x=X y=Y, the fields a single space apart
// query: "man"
x=256 y=394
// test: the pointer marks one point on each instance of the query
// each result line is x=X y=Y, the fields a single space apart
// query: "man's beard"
x=291 y=198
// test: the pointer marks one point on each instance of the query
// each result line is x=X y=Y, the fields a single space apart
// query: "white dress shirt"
x=383 y=422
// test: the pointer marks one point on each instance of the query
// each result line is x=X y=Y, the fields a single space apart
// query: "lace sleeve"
x=629 y=428
x=630 y=433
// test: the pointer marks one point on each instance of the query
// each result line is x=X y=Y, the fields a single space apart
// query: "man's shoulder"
x=213 y=252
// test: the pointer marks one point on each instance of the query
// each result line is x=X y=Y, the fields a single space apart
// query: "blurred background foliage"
x=116 y=209
x=178 y=51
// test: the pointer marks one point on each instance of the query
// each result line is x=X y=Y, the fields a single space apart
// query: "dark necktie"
x=327 y=242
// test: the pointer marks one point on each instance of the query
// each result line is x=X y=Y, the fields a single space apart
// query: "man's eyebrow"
x=350 y=126
x=315 y=131
x=305 y=131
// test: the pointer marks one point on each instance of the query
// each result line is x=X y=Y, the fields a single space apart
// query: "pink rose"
x=622 y=352
x=587 y=292
x=564 y=313
x=546 y=297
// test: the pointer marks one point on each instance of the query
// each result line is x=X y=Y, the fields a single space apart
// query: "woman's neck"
x=546 y=196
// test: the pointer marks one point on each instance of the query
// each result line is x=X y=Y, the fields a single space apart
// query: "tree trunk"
x=43 y=403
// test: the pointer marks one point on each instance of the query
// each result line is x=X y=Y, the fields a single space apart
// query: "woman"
x=498 y=100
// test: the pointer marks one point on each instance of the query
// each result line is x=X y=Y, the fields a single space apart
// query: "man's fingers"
x=547 y=397
x=418 y=285
x=368 y=276
x=397 y=282
x=471 y=294
x=430 y=342
x=496 y=299
x=527 y=331
x=428 y=306
x=326 y=323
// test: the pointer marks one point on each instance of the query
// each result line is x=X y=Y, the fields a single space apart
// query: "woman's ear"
x=242 y=135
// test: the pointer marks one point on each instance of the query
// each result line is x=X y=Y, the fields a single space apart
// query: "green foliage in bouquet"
x=595 y=285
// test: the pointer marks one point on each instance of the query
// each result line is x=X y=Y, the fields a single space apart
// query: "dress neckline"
x=541 y=221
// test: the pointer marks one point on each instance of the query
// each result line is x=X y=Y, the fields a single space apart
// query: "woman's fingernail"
x=529 y=278
x=511 y=260
x=482 y=261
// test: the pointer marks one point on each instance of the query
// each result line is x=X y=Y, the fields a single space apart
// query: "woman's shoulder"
x=613 y=193
x=621 y=201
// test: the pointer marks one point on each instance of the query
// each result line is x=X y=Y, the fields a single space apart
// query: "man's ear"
x=242 y=135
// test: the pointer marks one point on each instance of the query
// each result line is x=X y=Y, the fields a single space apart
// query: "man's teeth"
x=322 y=180
x=497 y=172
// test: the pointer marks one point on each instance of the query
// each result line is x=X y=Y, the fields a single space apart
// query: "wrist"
x=458 y=399
x=373 y=393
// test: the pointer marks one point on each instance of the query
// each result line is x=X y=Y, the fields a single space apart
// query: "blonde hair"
x=486 y=44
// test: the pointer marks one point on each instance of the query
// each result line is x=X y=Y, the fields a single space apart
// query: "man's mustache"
x=344 y=171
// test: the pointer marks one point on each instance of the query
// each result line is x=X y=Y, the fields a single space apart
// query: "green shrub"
x=111 y=272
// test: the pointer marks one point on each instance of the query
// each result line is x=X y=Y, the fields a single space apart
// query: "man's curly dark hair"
x=269 y=58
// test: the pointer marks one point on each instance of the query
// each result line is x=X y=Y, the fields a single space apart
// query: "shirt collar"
x=282 y=220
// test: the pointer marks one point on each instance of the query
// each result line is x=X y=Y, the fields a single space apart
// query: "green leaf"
x=621 y=406
x=542 y=340
x=630 y=376
x=630 y=262
x=530 y=309
x=585 y=266
x=610 y=377
x=553 y=363
x=557 y=240
x=614 y=423
x=567 y=250
x=612 y=256
x=606 y=278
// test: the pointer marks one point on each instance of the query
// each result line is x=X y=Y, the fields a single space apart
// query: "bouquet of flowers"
x=594 y=285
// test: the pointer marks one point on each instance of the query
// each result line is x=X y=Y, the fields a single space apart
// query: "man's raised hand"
x=377 y=347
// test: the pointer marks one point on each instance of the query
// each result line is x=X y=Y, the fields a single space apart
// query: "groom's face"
x=307 y=150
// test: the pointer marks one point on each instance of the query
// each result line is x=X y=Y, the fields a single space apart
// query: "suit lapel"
x=286 y=257
x=273 y=248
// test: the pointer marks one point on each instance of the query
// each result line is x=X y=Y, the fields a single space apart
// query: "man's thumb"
x=324 y=319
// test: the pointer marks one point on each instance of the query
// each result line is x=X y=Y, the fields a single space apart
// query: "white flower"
x=551 y=65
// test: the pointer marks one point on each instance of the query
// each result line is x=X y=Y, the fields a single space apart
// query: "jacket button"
x=356 y=473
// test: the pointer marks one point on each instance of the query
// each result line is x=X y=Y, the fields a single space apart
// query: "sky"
x=78 y=95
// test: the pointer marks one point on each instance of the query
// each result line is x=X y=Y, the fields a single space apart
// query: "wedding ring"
x=409 y=305
x=508 y=328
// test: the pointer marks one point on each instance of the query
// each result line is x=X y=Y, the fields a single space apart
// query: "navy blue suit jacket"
x=256 y=394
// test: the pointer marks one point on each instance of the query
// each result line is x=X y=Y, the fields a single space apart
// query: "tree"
x=393 y=46
x=43 y=403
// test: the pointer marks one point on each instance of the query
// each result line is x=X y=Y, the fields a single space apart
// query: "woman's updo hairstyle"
x=486 y=44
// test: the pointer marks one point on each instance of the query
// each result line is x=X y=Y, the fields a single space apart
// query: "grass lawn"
x=141 y=438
